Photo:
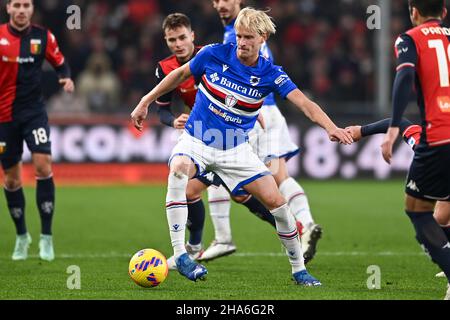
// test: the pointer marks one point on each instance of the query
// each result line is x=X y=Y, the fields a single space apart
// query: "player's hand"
x=388 y=142
x=180 y=122
x=260 y=119
x=139 y=114
x=68 y=85
x=355 y=131
x=340 y=135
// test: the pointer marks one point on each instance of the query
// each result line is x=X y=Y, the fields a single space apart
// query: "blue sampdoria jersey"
x=230 y=37
x=230 y=94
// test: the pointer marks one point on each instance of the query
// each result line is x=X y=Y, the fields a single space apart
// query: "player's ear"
x=444 y=13
x=415 y=13
x=193 y=35
x=265 y=36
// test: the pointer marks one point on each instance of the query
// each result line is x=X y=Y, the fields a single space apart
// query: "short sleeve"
x=52 y=53
x=199 y=62
x=159 y=73
x=164 y=100
x=282 y=84
x=405 y=52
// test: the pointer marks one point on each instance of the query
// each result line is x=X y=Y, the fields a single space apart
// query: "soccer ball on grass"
x=148 y=268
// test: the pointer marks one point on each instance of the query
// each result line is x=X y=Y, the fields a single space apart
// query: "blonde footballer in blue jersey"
x=236 y=80
x=274 y=147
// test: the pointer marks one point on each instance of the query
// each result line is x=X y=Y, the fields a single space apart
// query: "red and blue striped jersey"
x=230 y=94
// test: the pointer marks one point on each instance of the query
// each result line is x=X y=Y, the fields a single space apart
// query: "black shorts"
x=209 y=178
x=35 y=131
x=429 y=174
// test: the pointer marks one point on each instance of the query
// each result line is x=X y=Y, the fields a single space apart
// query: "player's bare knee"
x=195 y=188
x=280 y=178
x=278 y=169
x=179 y=173
x=442 y=213
x=13 y=179
x=12 y=182
x=441 y=219
x=274 y=201
x=240 y=199
x=42 y=165
x=179 y=168
x=418 y=205
x=44 y=171
x=182 y=165
x=192 y=193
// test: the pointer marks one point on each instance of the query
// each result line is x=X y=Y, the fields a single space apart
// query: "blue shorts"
x=35 y=131
x=429 y=174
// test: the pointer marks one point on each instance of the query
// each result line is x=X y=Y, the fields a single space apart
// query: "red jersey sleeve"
x=52 y=53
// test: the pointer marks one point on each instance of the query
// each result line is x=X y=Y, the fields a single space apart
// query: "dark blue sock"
x=258 y=209
x=446 y=230
x=16 y=205
x=431 y=236
x=196 y=221
x=45 y=200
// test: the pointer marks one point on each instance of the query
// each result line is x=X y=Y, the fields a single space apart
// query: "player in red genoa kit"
x=422 y=57
x=23 y=49
x=411 y=135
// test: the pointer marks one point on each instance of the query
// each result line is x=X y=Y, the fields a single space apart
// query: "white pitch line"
x=241 y=254
x=337 y=253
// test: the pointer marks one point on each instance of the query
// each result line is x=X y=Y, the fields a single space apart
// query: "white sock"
x=195 y=247
x=219 y=208
x=177 y=211
x=297 y=201
x=288 y=234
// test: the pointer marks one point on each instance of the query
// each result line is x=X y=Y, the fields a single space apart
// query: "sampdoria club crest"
x=230 y=101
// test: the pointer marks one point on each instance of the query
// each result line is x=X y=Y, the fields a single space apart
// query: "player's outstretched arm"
x=360 y=131
x=317 y=115
x=169 y=83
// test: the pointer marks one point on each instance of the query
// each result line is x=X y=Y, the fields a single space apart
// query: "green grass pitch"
x=98 y=229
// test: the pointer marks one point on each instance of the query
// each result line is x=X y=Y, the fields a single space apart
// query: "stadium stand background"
x=325 y=46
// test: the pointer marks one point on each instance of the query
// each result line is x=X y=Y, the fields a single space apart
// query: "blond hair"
x=256 y=21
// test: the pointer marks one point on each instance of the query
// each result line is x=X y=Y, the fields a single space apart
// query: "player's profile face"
x=227 y=9
x=248 y=43
x=20 y=12
x=180 y=42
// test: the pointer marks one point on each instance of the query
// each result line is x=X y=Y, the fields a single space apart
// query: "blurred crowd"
x=325 y=46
